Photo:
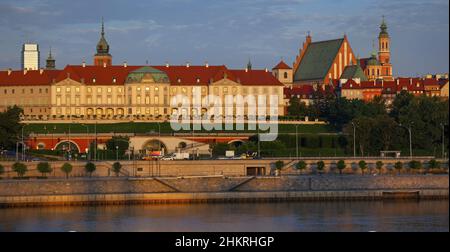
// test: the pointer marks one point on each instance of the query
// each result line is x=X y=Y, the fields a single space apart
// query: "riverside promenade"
x=221 y=181
x=103 y=191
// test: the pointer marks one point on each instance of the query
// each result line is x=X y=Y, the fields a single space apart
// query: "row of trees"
x=363 y=166
x=381 y=127
x=45 y=168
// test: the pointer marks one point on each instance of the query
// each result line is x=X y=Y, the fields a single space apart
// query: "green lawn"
x=142 y=128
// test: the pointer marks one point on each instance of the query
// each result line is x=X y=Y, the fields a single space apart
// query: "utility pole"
x=259 y=147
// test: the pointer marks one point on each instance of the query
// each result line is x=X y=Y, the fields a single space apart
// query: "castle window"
x=109 y=90
x=99 y=90
x=89 y=90
x=77 y=89
x=285 y=75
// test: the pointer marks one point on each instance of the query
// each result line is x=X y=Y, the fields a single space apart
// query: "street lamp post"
x=296 y=140
x=117 y=153
x=87 y=136
x=443 y=140
x=23 y=143
x=259 y=146
x=410 y=139
x=354 y=139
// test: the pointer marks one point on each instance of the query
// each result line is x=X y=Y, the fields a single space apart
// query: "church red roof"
x=281 y=65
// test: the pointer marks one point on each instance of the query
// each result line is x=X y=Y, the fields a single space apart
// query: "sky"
x=228 y=32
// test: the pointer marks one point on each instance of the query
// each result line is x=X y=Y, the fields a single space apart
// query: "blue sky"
x=224 y=32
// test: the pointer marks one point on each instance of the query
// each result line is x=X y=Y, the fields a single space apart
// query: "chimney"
x=398 y=82
x=267 y=70
x=25 y=71
x=410 y=81
x=84 y=63
x=167 y=64
x=206 y=64
x=188 y=64
x=104 y=64
x=9 y=71
x=246 y=69
x=41 y=71
x=382 y=82
x=125 y=64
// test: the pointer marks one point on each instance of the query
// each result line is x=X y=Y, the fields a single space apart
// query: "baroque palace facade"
x=106 y=91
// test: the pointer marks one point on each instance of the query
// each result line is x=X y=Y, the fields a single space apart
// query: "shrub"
x=320 y=166
x=44 y=168
x=20 y=169
x=433 y=164
x=341 y=166
x=279 y=164
x=301 y=165
x=415 y=165
x=362 y=165
x=398 y=166
x=379 y=165
x=2 y=170
x=116 y=168
x=67 y=169
x=90 y=168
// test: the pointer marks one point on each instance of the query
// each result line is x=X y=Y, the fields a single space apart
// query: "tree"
x=2 y=170
x=116 y=167
x=90 y=168
x=341 y=166
x=20 y=169
x=279 y=165
x=320 y=166
x=44 y=167
x=415 y=165
x=301 y=165
x=67 y=169
x=398 y=166
x=294 y=106
x=433 y=164
x=10 y=127
x=362 y=165
x=379 y=165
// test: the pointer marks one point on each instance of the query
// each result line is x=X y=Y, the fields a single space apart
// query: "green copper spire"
x=383 y=28
x=102 y=45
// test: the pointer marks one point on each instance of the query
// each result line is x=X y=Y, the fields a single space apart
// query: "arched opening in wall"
x=90 y=111
x=236 y=143
x=120 y=111
x=154 y=145
x=110 y=112
x=182 y=145
x=40 y=146
x=99 y=112
x=66 y=146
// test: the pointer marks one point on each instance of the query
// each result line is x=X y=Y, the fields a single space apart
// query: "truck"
x=177 y=156
x=152 y=155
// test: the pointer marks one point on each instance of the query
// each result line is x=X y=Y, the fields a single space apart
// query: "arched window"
x=285 y=75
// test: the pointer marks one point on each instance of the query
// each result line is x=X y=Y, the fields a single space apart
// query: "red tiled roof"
x=178 y=75
x=301 y=90
x=363 y=63
x=27 y=78
x=101 y=75
x=282 y=65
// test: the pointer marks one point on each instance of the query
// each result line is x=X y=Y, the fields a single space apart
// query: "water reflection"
x=300 y=216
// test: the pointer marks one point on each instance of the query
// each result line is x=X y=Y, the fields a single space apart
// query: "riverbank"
x=104 y=191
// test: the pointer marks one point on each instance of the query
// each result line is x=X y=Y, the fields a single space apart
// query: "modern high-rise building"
x=30 y=56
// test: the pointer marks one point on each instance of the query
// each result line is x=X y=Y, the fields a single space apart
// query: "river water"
x=364 y=216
